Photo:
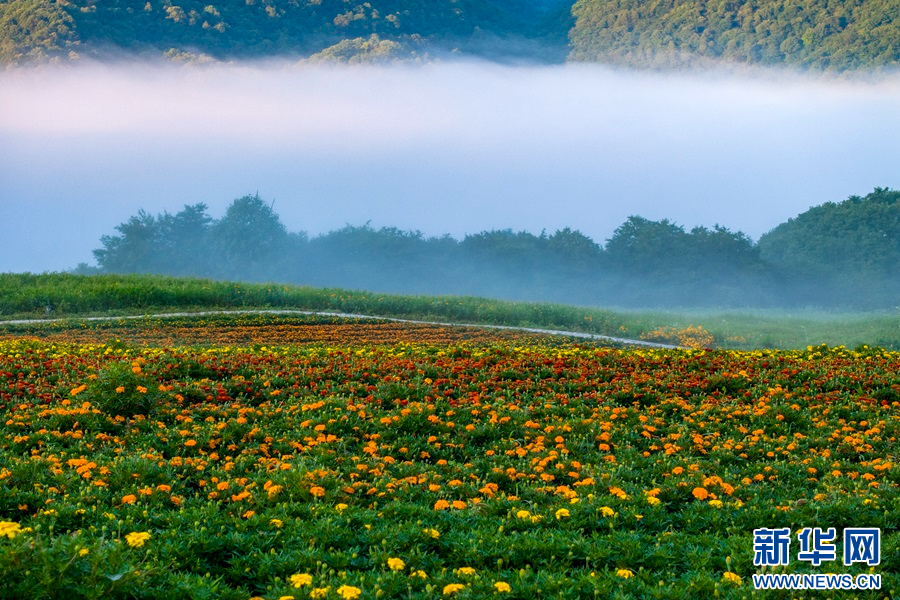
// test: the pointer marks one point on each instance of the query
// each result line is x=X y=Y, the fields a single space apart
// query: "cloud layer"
x=443 y=148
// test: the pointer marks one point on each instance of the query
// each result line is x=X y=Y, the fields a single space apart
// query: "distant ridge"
x=822 y=35
x=819 y=35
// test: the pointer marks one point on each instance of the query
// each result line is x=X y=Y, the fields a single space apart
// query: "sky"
x=443 y=148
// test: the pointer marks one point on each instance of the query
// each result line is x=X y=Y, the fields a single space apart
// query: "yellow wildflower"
x=396 y=564
x=625 y=573
x=9 y=529
x=502 y=586
x=136 y=539
x=348 y=592
x=732 y=577
x=452 y=588
x=300 y=579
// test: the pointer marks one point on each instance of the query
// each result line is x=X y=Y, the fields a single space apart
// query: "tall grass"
x=62 y=295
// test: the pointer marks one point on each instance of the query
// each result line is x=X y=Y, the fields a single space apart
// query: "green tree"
x=248 y=240
x=134 y=250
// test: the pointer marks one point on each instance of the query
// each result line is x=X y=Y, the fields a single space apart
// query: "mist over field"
x=447 y=147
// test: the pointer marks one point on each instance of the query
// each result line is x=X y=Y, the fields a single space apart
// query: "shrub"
x=123 y=389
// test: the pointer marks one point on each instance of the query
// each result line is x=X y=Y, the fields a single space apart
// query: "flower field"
x=406 y=463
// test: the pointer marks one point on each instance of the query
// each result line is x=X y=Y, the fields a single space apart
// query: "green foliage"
x=829 y=35
x=36 y=31
x=188 y=30
x=850 y=248
x=370 y=50
x=122 y=389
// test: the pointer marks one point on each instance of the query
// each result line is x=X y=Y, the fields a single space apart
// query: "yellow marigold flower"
x=9 y=529
x=136 y=539
x=502 y=586
x=83 y=552
x=452 y=588
x=348 y=592
x=523 y=514
x=319 y=592
x=396 y=564
x=341 y=507
x=653 y=500
x=465 y=571
x=716 y=503
x=434 y=533
x=563 y=513
x=300 y=579
x=625 y=573
x=607 y=511
x=731 y=577
x=276 y=523
x=285 y=598
x=420 y=574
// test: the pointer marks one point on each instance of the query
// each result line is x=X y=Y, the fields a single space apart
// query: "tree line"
x=823 y=35
x=838 y=255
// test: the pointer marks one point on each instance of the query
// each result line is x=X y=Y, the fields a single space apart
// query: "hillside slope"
x=820 y=35
x=40 y=30
x=828 y=35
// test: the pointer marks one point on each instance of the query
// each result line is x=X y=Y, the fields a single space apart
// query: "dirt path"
x=574 y=334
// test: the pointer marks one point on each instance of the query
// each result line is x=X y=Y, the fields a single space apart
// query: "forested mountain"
x=820 y=34
x=838 y=255
x=829 y=35
x=228 y=29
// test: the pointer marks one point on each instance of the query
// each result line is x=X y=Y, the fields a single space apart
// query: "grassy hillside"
x=64 y=295
x=833 y=35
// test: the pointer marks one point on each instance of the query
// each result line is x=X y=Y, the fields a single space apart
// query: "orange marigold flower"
x=129 y=499
x=700 y=493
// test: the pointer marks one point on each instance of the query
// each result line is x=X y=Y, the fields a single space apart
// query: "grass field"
x=277 y=457
x=66 y=296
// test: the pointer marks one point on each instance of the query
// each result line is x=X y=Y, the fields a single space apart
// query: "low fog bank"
x=452 y=148
x=837 y=256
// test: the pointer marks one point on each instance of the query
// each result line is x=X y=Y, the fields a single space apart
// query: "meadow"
x=287 y=457
x=68 y=296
